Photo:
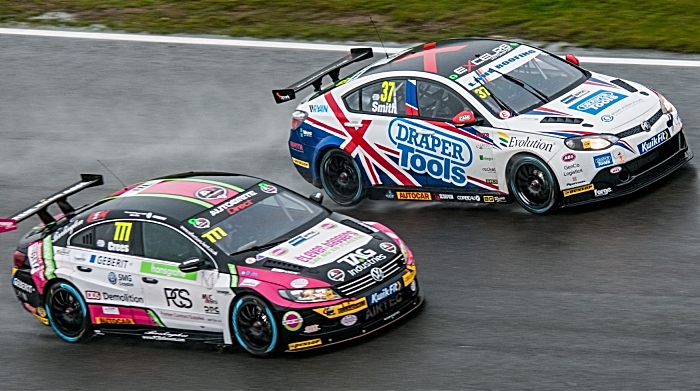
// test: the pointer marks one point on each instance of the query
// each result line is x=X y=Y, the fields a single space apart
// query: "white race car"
x=481 y=120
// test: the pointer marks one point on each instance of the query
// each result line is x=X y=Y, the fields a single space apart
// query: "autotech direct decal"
x=422 y=149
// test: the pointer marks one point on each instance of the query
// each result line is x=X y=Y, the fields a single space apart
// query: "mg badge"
x=377 y=274
x=646 y=126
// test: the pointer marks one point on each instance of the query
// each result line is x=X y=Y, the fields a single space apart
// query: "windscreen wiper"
x=259 y=247
x=500 y=103
x=532 y=90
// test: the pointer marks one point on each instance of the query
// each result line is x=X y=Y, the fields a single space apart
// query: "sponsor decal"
x=570 y=98
x=100 y=243
x=469 y=198
x=653 y=142
x=312 y=328
x=477 y=62
x=388 y=247
x=413 y=195
x=609 y=118
x=147 y=215
x=325 y=248
x=385 y=293
x=296 y=146
x=276 y=270
x=112 y=277
x=578 y=190
x=489 y=199
x=492 y=181
x=93 y=295
x=211 y=193
x=237 y=208
x=250 y=260
x=500 y=198
x=444 y=197
x=41 y=312
x=180 y=298
x=199 y=223
x=120 y=279
x=303 y=237
x=279 y=251
x=157 y=335
x=336 y=275
x=305 y=133
x=485 y=158
x=428 y=150
x=568 y=157
x=389 y=194
x=199 y=240
x=232 y=202
x=491 y=170
x=299 y=283
x=126 y=298
x=603 y=160
x=248 y=273
x=602 y=192
x=21 y=285
x=305 y=344
x=597 y=102
x=215 y=234
x=319 y=108
x=249 y=282
x=209 y=299
x=109 y=261
x=292 y=321
x=300 y=163
x=574 y=183
x=481 y=76
x=211 y=310
x=504 y=114
x=383 y=306
x=66 y=229
x=362 y=259
x=519 y=142
x=97 y=216
x=328 y=225
x=118 y=247
x=342 y=309
x=110 y=310
x=615 y=170
x=267 y=188
x=409 y=276
x=103 y=320
x=572 y=169
x=348 y=320
x=159 y=269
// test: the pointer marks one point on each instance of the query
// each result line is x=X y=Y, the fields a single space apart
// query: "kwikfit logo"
x=653 y=142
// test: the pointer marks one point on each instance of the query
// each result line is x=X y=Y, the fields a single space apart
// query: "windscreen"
x=532 y=78
x=264 y=218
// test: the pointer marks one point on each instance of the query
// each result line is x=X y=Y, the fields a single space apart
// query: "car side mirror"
x=317 y=198
x=192 y=265
x=572 y=59
x=464 y=118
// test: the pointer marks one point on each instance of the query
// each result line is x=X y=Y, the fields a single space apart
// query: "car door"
x=181 y=300
x=378 y=122
x=106 y=263
x=456 y=157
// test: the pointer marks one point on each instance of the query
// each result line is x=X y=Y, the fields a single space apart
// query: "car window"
x=439 y=102
x=118 y=237
x=84 y=239
x=384 y=97
x=352 y=101
x=164 y=243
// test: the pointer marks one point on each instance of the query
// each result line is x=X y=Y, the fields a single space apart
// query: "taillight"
x=18 y=259
x=298 y=117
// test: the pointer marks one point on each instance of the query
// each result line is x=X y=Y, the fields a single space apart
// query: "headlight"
x=592 y=142
x=309 y=295
x=666 y=106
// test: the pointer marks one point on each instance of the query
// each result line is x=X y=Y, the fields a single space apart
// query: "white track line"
x=294 y=45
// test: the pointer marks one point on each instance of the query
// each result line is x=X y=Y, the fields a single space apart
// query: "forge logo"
x=427 y=150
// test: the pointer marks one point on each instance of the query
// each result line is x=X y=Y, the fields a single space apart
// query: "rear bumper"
x=637 y=173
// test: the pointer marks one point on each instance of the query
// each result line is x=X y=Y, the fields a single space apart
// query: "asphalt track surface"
x=605 y=296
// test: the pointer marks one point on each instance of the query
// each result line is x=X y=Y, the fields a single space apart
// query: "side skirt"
x=161 y=334
x=436 y=194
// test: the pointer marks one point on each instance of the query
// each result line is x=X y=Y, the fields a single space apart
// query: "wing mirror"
x=192 y=265
x=464 y=118
x=317 y=198
x=572 y=59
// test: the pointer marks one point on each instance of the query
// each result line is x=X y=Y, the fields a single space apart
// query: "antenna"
x=378 y=36
x=110 y=171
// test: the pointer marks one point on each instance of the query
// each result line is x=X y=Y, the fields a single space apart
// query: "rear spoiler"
x=333 y=70
x=60 y=199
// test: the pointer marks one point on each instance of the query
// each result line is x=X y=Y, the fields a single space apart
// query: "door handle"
x=84 y=269
x=423 y=131
x=148 y=280
x=353 y=124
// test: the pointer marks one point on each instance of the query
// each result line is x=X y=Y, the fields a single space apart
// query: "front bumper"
x=635 y=174
x=368 y=318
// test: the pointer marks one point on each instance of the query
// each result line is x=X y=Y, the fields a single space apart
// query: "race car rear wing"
x=333 y=70
x=60 y=199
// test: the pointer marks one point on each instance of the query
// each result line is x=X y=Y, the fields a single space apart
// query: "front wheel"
x=341 y=178
x=67 y=312
x=533 y=184
x=254 y=326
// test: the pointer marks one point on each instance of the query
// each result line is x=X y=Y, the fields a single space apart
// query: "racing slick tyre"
x=341 y=178
x=533 y=185
x=254 y=326
x=67 y=312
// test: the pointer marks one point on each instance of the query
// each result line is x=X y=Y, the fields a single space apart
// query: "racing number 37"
x=387 y=91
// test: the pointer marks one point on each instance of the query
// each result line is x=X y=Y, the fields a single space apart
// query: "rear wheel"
x=67 y=312
x=341 y=178
x=533 y=184
x=254 y=326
